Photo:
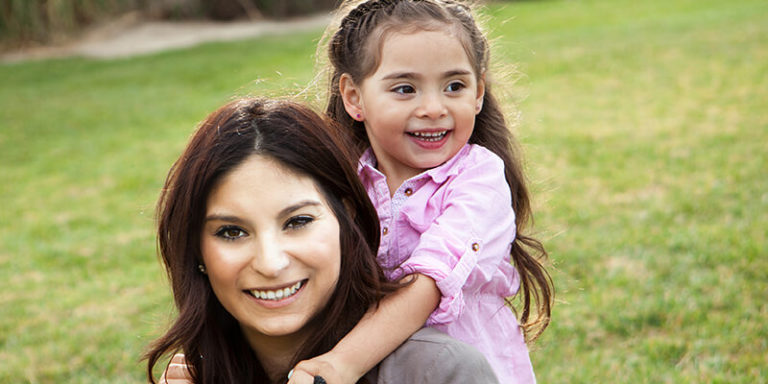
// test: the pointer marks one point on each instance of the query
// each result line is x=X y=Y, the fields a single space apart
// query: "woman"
x=269 y=242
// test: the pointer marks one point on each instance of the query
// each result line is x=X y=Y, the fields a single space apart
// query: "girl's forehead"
x=386 y=33
x=386 y=30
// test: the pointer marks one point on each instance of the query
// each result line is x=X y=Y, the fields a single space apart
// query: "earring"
x=357 y=116
x=201 y=267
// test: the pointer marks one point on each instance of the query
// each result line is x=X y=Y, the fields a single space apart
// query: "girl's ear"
x=350 y=94
x=480 y=93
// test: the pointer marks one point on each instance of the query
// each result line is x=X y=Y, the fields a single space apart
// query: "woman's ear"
x=480 y=93
x=350 y=94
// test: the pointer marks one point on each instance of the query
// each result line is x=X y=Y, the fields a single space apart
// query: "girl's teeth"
x=434 y=136
x=278 y=294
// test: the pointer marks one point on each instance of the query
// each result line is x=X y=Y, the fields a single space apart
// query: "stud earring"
x=357 y=116
x=201 y=267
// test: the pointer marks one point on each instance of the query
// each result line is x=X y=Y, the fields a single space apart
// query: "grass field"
x=645 y=127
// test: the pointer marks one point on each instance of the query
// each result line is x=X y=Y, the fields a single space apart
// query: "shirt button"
x=385 y=230
x=475 y=247
x=408 y=191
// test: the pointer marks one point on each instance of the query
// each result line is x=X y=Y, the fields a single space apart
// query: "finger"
x=301 y=377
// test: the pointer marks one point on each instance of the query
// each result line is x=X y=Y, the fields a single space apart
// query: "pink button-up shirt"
x=455 y=224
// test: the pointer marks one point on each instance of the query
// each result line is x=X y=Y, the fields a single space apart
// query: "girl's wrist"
x=345 y=365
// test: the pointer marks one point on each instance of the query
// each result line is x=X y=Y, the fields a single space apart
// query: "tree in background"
x=32 y=22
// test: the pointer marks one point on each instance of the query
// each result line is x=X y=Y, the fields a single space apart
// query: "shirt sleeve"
x=469 y=238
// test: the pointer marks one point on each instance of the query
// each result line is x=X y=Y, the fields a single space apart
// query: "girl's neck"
x=396 y=176
x=395 y=182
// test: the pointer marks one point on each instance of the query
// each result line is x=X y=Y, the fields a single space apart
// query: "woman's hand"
x=177 y=371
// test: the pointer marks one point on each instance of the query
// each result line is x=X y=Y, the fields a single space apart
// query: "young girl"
x=409 y=79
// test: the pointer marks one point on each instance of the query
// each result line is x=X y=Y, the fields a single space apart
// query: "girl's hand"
x=177 y=371
x=322 y=366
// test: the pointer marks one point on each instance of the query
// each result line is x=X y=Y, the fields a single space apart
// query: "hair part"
x=362 y=28
x=301 y=141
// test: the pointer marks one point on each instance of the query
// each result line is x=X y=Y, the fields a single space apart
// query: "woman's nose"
x=432 y=105
x=269 y=258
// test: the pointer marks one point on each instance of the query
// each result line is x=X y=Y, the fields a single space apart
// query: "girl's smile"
x=430 y=139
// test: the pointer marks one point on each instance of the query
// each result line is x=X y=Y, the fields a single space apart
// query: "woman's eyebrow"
x=283 y=212
x=220 y=217
x=295 y=207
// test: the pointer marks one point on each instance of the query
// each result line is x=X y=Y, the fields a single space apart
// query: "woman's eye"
x=454 y=87
x=297 y=222
x=403 y=89
x=230 y=233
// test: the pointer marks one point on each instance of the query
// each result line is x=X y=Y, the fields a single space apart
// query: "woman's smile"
x=277 y=294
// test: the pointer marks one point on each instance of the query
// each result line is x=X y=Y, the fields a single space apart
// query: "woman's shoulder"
x=430 y=356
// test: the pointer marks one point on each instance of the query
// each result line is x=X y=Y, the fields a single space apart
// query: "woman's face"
x=270 y=244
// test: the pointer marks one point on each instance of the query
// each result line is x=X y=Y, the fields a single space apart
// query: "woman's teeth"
x=277 y=294
x=429 y=136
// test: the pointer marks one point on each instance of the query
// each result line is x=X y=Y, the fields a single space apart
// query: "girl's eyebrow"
x=457 y=72
x=413 y=75
x=400 y=75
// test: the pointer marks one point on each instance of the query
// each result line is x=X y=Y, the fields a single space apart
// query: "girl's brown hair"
x=300 y=140
x=354 y=48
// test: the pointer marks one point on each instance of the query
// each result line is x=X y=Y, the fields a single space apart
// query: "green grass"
x=645 y=131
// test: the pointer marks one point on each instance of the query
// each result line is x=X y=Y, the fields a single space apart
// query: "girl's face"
x=419 y=105
x=270 y=244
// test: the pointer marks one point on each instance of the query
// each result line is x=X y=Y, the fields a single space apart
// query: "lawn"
x=645 y=131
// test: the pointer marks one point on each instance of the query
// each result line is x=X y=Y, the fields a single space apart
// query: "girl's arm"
x=381 y=330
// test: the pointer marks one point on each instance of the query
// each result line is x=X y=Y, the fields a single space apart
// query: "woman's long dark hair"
x=354 y=48
x=300 y=140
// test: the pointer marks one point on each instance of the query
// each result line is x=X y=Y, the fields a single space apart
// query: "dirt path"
x=130 y=36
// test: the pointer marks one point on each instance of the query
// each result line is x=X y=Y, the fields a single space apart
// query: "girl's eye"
x=230 y=233
x=403 y=89
x=298 y=222
x=454 y=87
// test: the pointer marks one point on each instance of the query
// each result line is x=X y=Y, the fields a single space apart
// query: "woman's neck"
x=275 y=353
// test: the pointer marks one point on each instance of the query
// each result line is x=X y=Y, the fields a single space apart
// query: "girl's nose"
x=432 y=106
x=269 y=258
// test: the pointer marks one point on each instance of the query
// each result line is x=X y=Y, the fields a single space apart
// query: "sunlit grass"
x=647 y=138
x=645 y=134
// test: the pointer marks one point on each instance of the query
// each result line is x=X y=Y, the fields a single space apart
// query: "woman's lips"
x=277 y=294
